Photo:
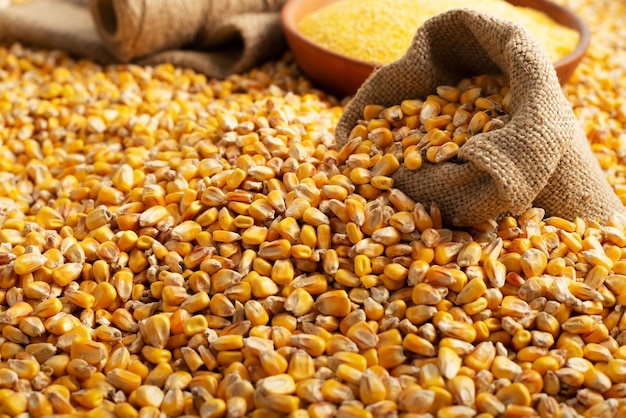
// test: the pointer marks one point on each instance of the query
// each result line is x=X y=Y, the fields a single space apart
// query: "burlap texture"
x=216 y=37
x=540 y=157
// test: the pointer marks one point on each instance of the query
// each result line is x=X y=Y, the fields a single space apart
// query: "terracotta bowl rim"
x=291 y=7
x=290 y=23
x=580 y=26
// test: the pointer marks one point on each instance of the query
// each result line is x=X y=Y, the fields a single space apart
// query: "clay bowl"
x=343 y=75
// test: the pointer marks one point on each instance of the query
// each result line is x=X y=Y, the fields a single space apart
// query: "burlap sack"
x=541 y=157
x=215 y=37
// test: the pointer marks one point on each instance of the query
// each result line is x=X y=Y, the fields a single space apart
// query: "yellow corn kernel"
x=227 y=343
x=481 y=356
x=418 y=345
x=516 y=393
x=155 y=330
x=544 y=363
x=213 y=408
x=336 y=392
x=333 y=303
x=124 y=380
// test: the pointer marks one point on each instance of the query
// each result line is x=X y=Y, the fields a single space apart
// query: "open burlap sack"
x=540 y=157
x=215 y=37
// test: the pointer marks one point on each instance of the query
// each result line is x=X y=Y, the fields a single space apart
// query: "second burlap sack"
x=215 y=37
x=540 y=157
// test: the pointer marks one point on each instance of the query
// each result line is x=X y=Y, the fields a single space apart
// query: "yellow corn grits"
x=380 y=31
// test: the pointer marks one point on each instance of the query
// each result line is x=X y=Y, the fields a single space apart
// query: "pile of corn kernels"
x=177 y=246
x=436 y=127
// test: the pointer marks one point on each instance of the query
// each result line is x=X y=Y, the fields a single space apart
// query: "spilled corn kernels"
x=141 y=273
